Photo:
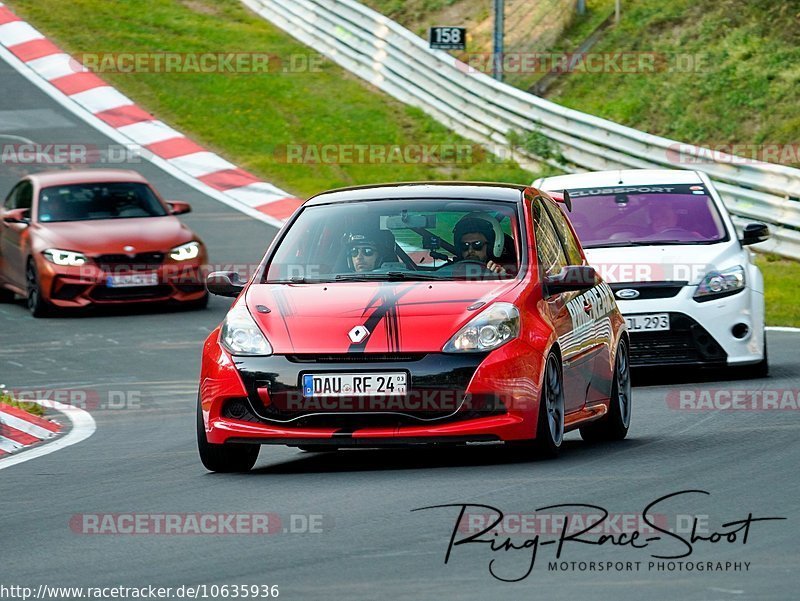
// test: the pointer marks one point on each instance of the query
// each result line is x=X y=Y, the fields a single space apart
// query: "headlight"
x=241 y=336
x=487 y=331
x=184 y=252
x=720 y=283
x=65 y=257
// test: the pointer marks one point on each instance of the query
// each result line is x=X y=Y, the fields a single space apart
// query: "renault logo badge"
x=358 y=333
x=627 y=294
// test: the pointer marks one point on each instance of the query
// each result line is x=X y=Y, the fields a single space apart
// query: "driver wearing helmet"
x=478 y=237
x=368 y=249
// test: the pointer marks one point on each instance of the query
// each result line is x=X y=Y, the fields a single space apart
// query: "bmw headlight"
x=184 y=252
x=241 y=336
x=487 y=331
x=65 y=257
x=720 y=283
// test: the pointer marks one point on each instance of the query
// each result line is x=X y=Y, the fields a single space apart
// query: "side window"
x=11 y=199
x=548 y=246
x=567 y=237
x=25 y=196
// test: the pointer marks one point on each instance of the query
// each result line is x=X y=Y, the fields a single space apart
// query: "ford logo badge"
x=627 y=294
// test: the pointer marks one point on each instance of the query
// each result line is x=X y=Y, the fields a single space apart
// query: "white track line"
x=83 y=426
x=73 y=107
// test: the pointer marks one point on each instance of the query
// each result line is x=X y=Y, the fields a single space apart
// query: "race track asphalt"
x=142 y=459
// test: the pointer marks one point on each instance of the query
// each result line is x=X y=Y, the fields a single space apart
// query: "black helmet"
x=382 y=240
x=481 y=223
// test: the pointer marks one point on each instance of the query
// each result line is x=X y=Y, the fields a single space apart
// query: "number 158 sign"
x=447 y=38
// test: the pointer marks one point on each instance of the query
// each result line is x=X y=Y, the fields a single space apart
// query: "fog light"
x=740 y=330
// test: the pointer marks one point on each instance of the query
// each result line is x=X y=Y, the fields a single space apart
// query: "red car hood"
x=407 y=317
x=108 y=236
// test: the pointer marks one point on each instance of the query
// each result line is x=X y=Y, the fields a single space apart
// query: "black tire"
x=226 y=458
x=196 y=305
x=36 y=304
x=614 y=425
x=550 y=421
x=550 y=428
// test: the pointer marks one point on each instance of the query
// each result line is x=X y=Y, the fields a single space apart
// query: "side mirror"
x=178 y=207
x=224 y=283
x=754 y=233
x=17 y=216
x=572 y=277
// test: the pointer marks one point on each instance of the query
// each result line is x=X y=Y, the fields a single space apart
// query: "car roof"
x=461 y=190
x=621 y=177
x=85 y=176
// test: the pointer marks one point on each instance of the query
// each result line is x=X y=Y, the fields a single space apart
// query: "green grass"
x=737 y=82
x=780 y=286
x=250 y=118
x=32 y=408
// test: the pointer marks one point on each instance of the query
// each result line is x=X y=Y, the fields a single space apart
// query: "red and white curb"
x=20 y=430
x=87 y=96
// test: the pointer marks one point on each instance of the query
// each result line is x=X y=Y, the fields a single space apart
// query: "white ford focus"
x=684 y=280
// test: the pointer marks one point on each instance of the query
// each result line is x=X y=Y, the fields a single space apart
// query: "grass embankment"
x=732 y=74
x=32 y=408
x=250 y=118
x=780 y=286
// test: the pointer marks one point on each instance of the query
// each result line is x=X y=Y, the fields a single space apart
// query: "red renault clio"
x=75 y=238
x=413 y=314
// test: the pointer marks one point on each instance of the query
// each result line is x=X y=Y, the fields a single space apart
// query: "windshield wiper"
x=387 y=276
x=637 y=243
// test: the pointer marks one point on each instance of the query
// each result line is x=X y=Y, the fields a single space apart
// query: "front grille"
x=62 y=291
x=148 y=261
x=686 y=342
x=355 y=357
x=648 y=290
x=436 y=390
x=479 y=406
x=101 y=293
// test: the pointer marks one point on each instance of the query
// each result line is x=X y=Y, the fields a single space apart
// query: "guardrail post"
x=499 y=26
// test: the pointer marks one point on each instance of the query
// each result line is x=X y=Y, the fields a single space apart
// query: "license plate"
x=650 y=322
x=337 y=385
x=131 y=280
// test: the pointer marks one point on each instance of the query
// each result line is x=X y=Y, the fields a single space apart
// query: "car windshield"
x=408 y=239
x=110 y=200
x=645 y=215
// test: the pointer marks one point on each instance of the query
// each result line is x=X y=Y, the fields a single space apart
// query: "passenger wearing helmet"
x=367 y=250
x=478 y=237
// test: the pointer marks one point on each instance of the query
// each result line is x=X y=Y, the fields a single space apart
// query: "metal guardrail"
x=484 y=110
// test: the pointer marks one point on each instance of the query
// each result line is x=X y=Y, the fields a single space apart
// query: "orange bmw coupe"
x=79 y=238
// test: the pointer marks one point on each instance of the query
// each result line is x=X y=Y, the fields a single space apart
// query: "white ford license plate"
x=354 y=384
x=130 y=280
x=650 y=322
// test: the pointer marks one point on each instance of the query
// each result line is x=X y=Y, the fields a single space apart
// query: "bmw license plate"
x=648 y=322
x=131 y=280
x=337 y=385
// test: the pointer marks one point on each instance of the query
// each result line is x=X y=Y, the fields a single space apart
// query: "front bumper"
x=65 y=286
x=451 y=398
x=701 y=334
